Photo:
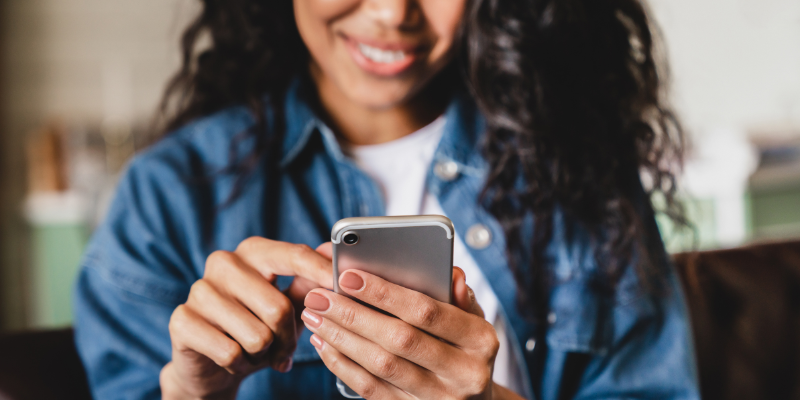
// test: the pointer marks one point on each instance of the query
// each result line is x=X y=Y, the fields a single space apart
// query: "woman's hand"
x=236 y=321
x=432 y=350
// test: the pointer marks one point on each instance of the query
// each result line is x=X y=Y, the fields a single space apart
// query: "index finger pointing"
x=271 y=257
x=439 y=319
x=326 y=249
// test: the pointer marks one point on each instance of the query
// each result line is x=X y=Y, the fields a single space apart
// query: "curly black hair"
x=575 y=106
x=571 y=90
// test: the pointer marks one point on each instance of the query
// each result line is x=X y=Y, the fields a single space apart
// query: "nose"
x=396 y=14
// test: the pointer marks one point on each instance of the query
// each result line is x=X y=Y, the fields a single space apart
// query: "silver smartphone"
x=415 y=252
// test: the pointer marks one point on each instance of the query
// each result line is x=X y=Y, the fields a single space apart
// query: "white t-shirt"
x=399 y=168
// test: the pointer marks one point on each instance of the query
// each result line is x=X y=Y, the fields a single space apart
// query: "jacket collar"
x=301 y=121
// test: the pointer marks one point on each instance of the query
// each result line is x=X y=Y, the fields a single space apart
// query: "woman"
x=526 y=122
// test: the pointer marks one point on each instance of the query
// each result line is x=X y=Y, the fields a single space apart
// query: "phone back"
x=415 y=252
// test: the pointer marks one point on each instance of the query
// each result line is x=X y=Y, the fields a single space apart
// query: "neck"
x=360 y=125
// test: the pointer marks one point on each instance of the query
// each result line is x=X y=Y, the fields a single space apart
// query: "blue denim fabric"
x=167 y=218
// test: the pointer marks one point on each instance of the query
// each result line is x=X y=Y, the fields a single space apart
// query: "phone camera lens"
x=350 y=238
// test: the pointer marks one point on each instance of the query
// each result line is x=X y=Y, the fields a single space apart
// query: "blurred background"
x=80 y=82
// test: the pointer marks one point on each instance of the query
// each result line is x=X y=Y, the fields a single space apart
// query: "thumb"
x=463 y=296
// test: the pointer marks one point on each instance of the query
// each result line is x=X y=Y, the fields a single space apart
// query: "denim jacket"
x=168 y=216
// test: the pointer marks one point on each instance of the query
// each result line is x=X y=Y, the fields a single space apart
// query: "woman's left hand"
x=381 y=357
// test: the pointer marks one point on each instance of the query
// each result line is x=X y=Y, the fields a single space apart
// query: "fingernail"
x=286 y=366
x=312 y=320
x=317 y=342
x=317 y=302
x=351 y=280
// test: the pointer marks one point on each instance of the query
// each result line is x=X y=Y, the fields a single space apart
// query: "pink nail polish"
x=351 y=280
x=317 y=302
x=317 y=342
x=312 y=320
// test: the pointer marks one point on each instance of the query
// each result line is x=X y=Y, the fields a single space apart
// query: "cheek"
x=327 y=10
x=314 y=18
x=443 y=18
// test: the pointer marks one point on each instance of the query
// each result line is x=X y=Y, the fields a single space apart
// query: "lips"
x=382 y=59
x=381 y=56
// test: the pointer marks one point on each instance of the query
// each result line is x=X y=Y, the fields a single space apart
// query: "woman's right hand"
x=236 y=321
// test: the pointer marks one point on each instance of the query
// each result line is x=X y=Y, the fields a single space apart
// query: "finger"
x=298 y=290
x=372 y=357
x=463 y=296
x=271 y=257
x=240 y=282
x=300 y=286
x=252 y=334
x=442 y=320
x=354 y=376
x=391 y=334
x=326 y=249
x=192 y=335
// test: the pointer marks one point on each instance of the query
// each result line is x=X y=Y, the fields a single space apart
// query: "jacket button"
x=530 y=345
x=479 y=237
x=446 y=170
x=551 y=318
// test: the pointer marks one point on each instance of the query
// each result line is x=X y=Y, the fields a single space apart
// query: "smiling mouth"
x=382 y=59
x=381 y=56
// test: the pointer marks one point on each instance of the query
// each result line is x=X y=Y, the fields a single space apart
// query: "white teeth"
x=380 y=56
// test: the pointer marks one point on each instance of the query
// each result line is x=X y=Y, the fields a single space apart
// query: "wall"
x=82 y=61
x=736 y=63
x=736 y=81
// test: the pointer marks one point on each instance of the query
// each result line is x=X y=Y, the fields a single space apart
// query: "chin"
x=380 y=96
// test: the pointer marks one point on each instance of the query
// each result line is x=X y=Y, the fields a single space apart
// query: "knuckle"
x=219 y=259
x=280 y=310
x=177 y=322
x=333 y=362
x=490 y=344
x=380 y=295
x=366 y=386
x=478 y=378
x=337 y=337
x=282 y=307
x=259 y=339
x=493 y=347
x=404 y=340
x=385 y=365
x=200 y=291
x=347 y=316
x=300 y=251
x=228 y=354
x=250 y=244
x=427 y=313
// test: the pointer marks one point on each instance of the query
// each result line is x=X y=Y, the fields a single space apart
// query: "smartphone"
x=415 y=252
